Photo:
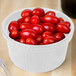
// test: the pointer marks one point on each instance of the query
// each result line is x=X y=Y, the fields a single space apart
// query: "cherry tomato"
x=49 y=27
x=51 y=13
x=38 y=11
x=35 y=19
x=51 y=19
x=14 y=34
x=38 y=28
x=61 y=19
x=24 y=26
x=26 y=13
x=13 y=26
x=49 y=40
x=31 y=41
x=47 y=34
x=20 y=21
x=66 y=23
x=59 y=36
x=28 y=33
x=39 y=38
x=22 y=40
x=63 y=28
x=27 y=19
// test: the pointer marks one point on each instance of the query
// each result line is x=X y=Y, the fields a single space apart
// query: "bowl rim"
x=60 y=42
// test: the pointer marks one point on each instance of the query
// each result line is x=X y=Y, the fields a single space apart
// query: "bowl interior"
x=16 y=15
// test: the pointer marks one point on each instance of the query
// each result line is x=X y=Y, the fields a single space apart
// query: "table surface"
x=7 y=7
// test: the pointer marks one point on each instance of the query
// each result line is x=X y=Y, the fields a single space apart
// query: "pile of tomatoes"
x=38 y=28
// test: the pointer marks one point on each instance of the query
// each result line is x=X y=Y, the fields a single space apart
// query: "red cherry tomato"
x=26 y=13
x=24 y=26
x=22 y=40
x=49 y=27
x=27 y=19
x=49 y=40
x=47 y=34
x=35 y=19
x=13 y=26
x=28 y=33
x=66 y=23
x=51 y=19
x=39 y=38
x=61 y=19
x=59 y=36
x=51 y=13
x=14 y=34
x=63 y=28
x=38 y=11
x=38 y=28
x=20 y=21
x=31 y=41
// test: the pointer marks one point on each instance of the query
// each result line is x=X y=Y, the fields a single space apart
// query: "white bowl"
x=36 y=58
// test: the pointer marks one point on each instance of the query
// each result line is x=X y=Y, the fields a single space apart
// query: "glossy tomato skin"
x=39 y=38
x=51 y=19
x=66 y=23
x=27 y=19
x=20 y=21
x=26 y=13
x=38 y=28
x=47 y=34
x=14 y=34
x=13 y=26
x=24 y=26
x=61 y=19
x=31 y=41
x=35 y=19
x=22 y=40
x=59 y=36
x=28 y=33
x=38 y=11
x=51 y=13
x=49 y=40
x=49 y=27
x=63 y=28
